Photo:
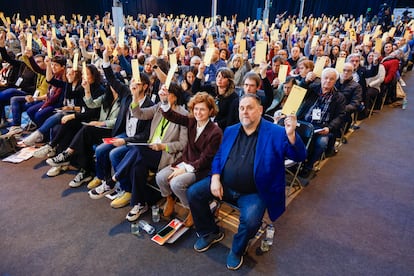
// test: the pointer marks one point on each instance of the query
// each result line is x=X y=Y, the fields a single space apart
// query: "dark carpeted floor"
x=355 y=218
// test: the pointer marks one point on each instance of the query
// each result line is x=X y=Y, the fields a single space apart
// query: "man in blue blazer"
x=248 y=171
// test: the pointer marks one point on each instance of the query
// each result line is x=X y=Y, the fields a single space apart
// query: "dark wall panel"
x=344 y=7
x=244 y=9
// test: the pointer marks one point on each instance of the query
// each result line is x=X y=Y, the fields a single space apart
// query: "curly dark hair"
x=96 y=76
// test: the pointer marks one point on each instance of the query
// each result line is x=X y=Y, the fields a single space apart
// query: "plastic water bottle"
x=146 y=226
x=404 y=104
x=135 y=229
x=264 y=245
x=155 y=210
x=268 y=239
x=270 y=233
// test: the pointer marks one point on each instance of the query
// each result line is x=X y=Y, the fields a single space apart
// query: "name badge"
x=19 y=81
x=316 y=114
x=157 y=141
x=153 y=98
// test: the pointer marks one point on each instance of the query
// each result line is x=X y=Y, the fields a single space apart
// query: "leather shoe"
x=169 y=206
x=188 y=222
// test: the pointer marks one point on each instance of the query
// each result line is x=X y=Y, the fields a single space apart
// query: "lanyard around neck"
x=164 y=124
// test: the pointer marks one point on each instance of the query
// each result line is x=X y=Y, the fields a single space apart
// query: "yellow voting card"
x=260 y=55
x=208 y=56
x=319 y=65
x=242 y=47
x=378 y=45
x=170 y=75
x=294 y=100
x=135 y=70
x=103 y=37
x=155 y=47
x=339 y=66
x=366 y=39
x=29 y=38
x=49 y=49
x=75 y=61
x=173 y=59
x=282 y=73
x=84 y=74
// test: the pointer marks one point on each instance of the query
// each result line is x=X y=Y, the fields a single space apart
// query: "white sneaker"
x=16 y=131
x=54 y=171
x=82 y=177
x=62 y=159
x=101 y=191
x=43 y=151
x=33 y=138
x=136 y=211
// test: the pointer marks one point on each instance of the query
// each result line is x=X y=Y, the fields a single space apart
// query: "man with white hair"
x=324 y=108
x=294 y=57
x=360 y=73
x=350 y=89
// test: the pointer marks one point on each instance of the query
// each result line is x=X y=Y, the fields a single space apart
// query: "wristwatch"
x=154 y=67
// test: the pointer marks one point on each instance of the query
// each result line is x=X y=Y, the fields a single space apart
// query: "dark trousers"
x=62 y=134
x=370 y=99
x=83 y=143
x=390 y=90
x=136 y=164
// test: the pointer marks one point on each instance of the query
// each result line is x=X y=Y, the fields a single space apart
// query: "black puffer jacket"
x=228 y=106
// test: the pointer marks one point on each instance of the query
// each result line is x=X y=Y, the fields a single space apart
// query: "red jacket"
x=391 y=66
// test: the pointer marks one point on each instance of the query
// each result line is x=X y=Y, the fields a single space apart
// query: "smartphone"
x=165 y=231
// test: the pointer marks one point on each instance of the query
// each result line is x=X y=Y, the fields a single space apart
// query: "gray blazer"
x=175 y=137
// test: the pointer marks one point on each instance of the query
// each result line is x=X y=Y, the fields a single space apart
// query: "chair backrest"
x=304 y=129
x=268 y=118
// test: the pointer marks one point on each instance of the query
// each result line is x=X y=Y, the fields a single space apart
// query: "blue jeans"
x=19 y=105
x=38 y=115
x=252 y=209
x=50 y=123
x=5 y=97
x=320 y=144
x=107 y=155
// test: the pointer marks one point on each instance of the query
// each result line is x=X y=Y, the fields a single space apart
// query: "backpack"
x=8 y=145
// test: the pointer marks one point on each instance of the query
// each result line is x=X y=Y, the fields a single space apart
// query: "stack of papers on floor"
x=20 y=156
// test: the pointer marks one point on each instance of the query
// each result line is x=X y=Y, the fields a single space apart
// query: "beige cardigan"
x=175 y=137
